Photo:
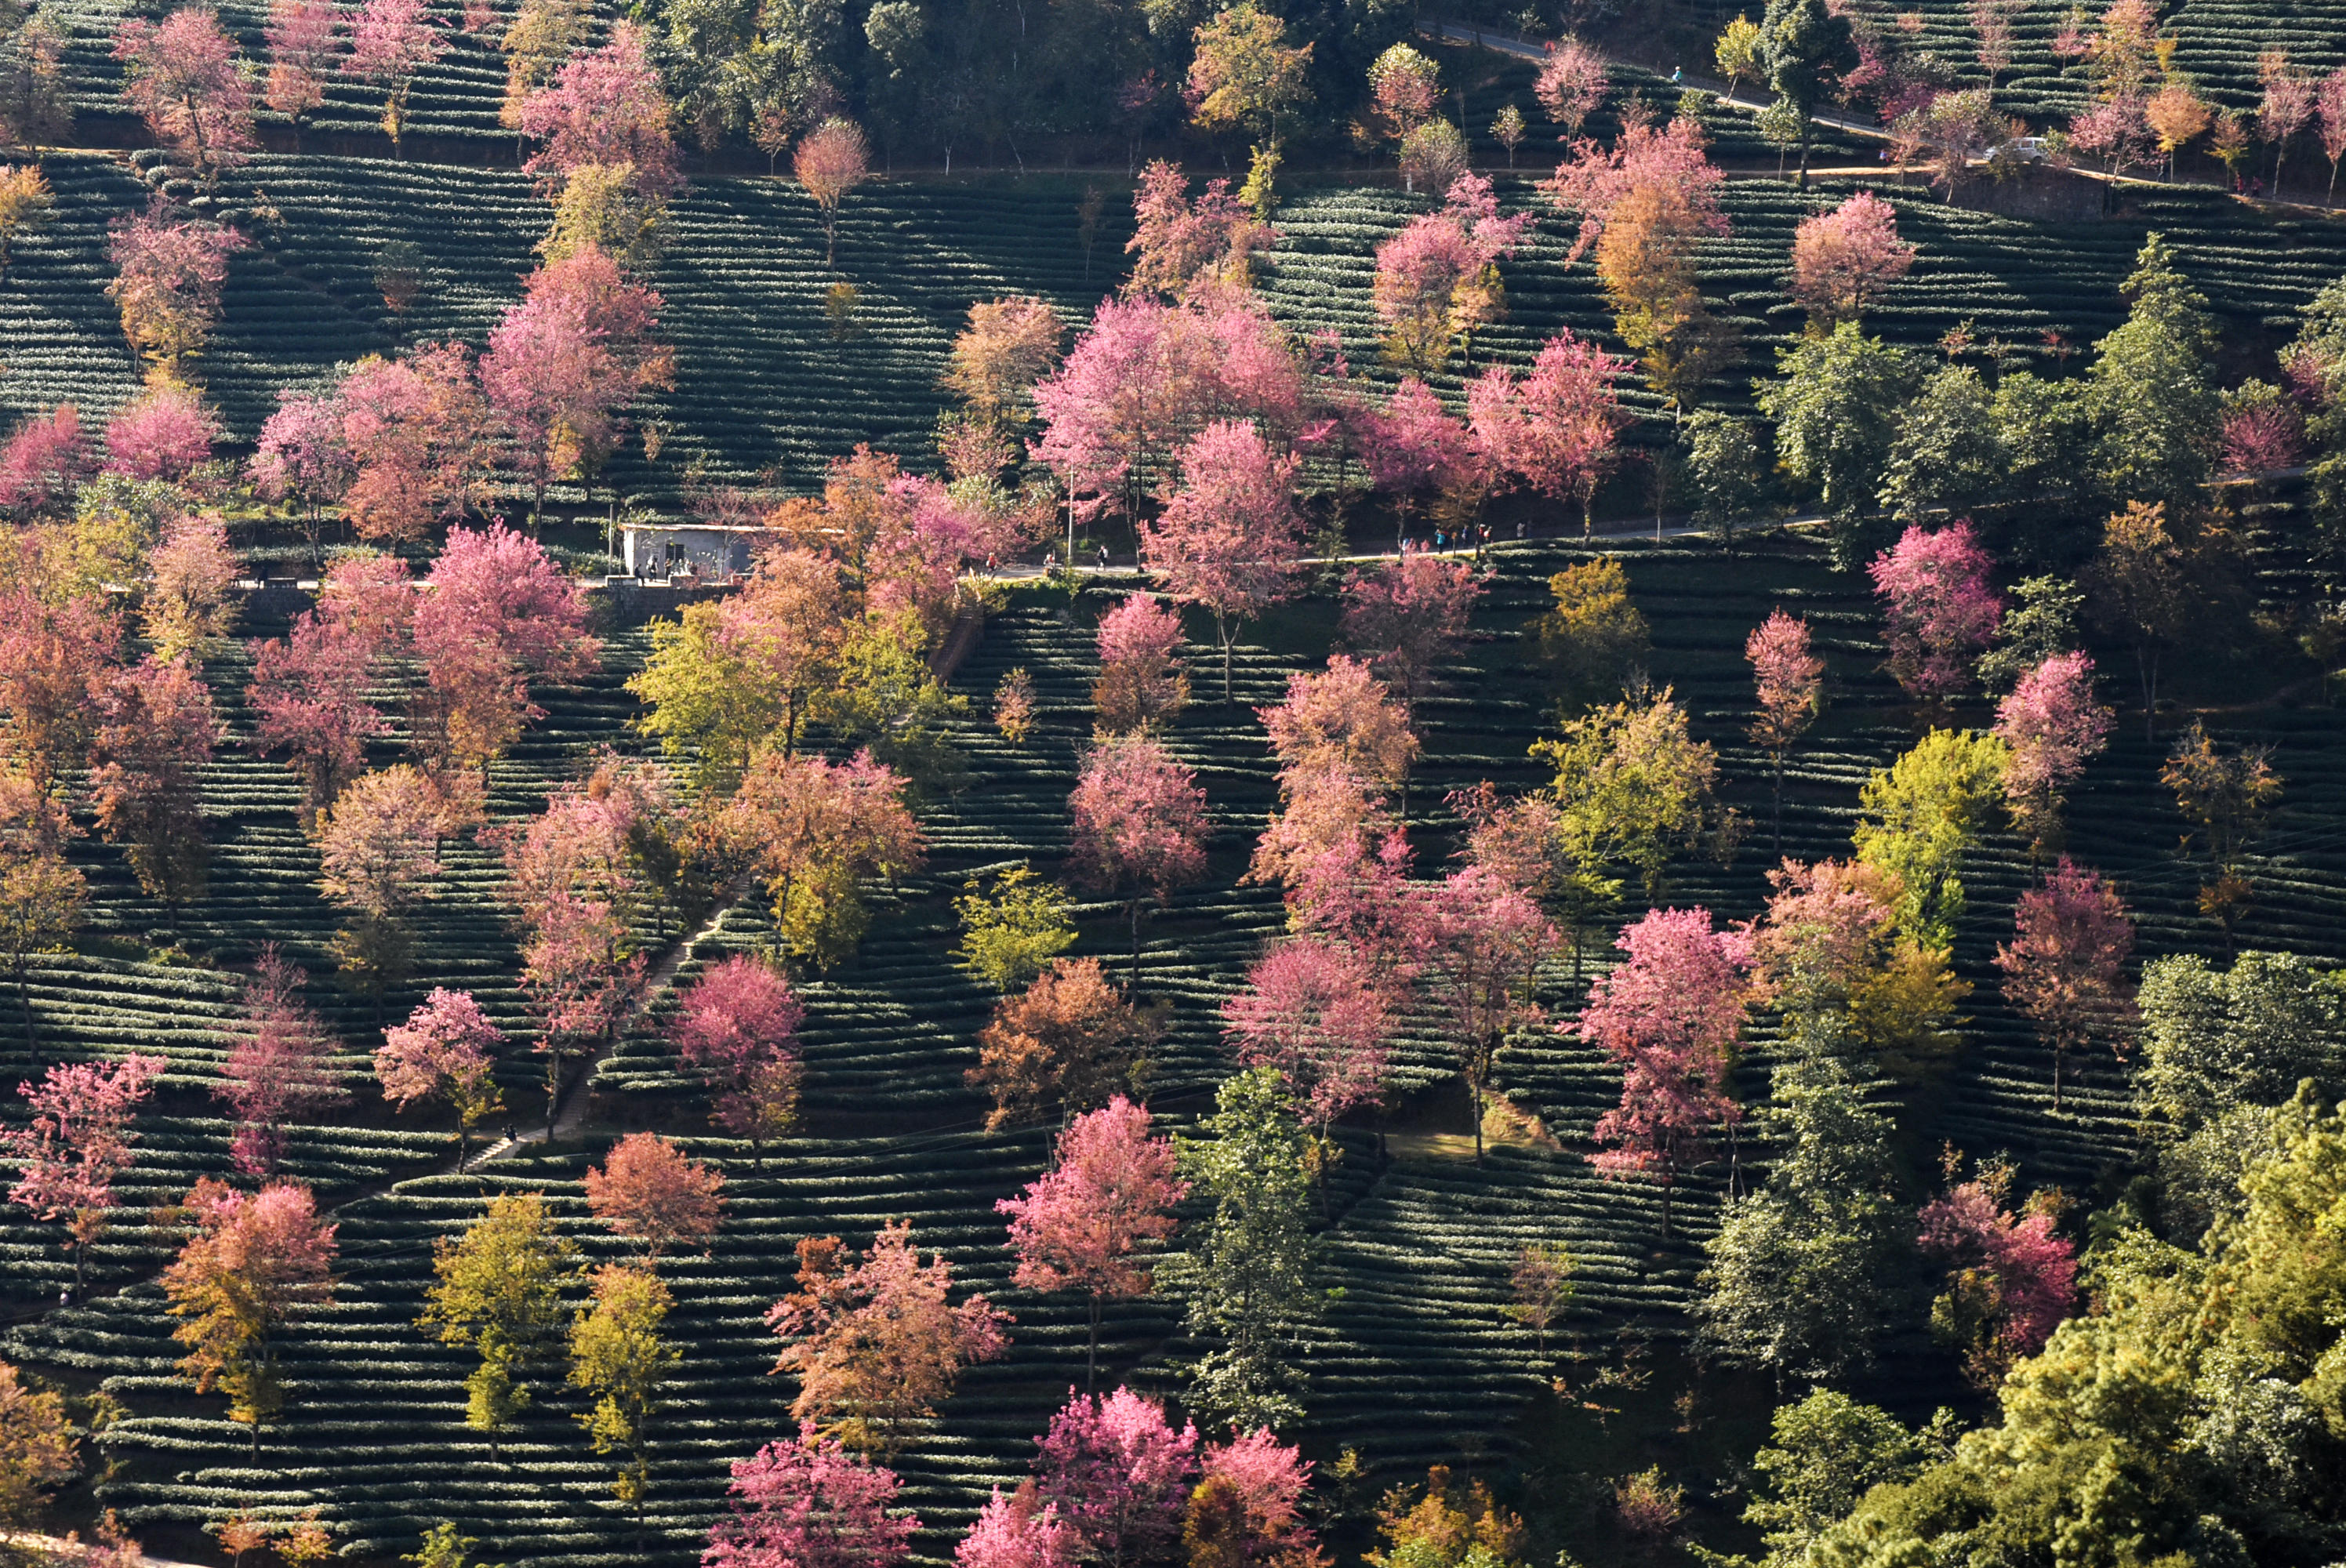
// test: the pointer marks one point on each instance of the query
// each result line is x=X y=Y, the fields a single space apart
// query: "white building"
x=708 y=552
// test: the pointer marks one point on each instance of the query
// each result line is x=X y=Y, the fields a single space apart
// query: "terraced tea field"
x=1419 y=1247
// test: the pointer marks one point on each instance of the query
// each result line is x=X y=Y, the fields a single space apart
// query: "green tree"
x=704 y=699
x=1594 y=639
x=1799 y=1271
x=1946 y=455
x=1805 y=47
x=887 y=698
x=1010 y=934
x=617 y=1354
x=2222 y=1051
x=2042 y=622
x=499 y=1290
x=2040 y=428
x=1835 y=401
x=2152 y=392
x=1248 y=1275
x=1921 y=814
x=2188 y=1421
x=1729 y=472
x=1632 y=790
x=1826 y=1453
x=442 y=1547
x=1244 y=76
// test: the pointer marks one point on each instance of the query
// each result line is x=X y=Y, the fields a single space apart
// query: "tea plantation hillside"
x=768 y=385
x=1416 y=1250
x=1652 y=885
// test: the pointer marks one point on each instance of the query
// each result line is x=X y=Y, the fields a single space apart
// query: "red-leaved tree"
x=1137 y=826
x=821 y=830
x=1939 y=612
x=808 y=1503
x=878 y=1344
x=444 y=1051
x=1230 y=539
x=256 y=1261
x=648 y=1190
x=1670 y=1013
x=736 y=1029
x=280 y=1064
x=1088 y=1222
x=78 y=1141
x=2064 y=969
x=1117 y=1473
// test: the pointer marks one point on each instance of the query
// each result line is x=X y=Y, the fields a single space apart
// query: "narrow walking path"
x=571 y=1116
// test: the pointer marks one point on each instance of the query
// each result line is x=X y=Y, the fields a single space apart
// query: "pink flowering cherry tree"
x=1088 y=1222
x=736 y=1028
x=2053 y=727
x=444 y=1051
x=807 y=1502
x=1939 y=610
x=1138 y=826
x=1231 y=540
x=1670 y=1013
x=78 y=1141
x=1119 y=1475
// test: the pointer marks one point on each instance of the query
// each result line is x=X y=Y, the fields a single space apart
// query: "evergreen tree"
x=1248 y=1276
x=1797 y=1275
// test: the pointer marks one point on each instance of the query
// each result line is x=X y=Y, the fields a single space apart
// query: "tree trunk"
x=25 y=1000
x=1804 y=151
x=1780 y=805
x=1474 y=1105
x=1229 y=643
x=1091 y=1349
x=1134 y=985
x=553 y=1089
